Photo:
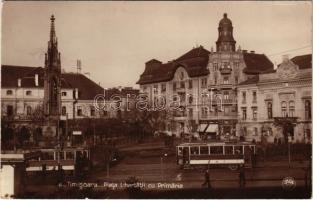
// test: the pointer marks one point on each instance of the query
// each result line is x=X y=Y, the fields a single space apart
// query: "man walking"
x=207 y=178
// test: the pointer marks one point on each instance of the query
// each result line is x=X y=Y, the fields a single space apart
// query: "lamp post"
x=162 y=170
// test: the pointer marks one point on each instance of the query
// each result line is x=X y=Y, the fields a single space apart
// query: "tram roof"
x=214 y=143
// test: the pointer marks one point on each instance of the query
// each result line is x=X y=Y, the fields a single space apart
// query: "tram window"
x=252 y=148
x=194 y=150
x=62 y=155
x=238 y=150
x=229 y=150
x=85 y=154
x=204 y=150
x=180 y=151
x=69 y=155
x=47 y=156
x=216 y=150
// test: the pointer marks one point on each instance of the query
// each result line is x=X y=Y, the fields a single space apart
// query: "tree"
x=287 y=124
x=24 y=135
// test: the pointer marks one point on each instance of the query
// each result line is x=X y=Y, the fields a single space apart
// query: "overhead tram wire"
x=290 y=50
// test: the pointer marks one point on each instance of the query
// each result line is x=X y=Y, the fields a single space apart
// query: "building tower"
x=225 y=41
x=52 y=82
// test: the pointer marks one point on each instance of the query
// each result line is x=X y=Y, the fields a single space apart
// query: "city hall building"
x=206 y=85
x=285 y=93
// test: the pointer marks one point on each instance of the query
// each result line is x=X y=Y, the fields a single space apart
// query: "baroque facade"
x=285 y=93
x=204 y=84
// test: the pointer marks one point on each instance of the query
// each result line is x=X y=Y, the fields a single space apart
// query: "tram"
x=53 y=158
x=230 y=154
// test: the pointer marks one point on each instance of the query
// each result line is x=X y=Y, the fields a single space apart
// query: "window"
x=47 y=156
x=225 y=80
x=236 y=65
x=190 y=112
x=291 y=108
x=204 y=150
x=79 y=111
x=244 y=97
x=216 y=149
x=238 y=149
x=174 y=86
x=203 y=83
x=190 y=99
x=215 y=80
x=226 y=95
x=182 y=84
x=93 y=111
x=204 y=112
x=226 y=65
x=215 y=66
x=190 y=84
x=28 y=92
x=9 y=110
x=255 y=131
x=155 y=89
x=64 y=94
x=308 y=134
x=245 y=131
x=63 y=111
x=254 y=113
x=307 y=109
x=163 y=87
x=236 y=79
x=28 y=110
x=69 y=155
x=269 y=110
x=144 y=88
x=194 y=150
x=228 y=150
x=244 y=113
x=284 y=109
x=254 y=97
x=9 y=92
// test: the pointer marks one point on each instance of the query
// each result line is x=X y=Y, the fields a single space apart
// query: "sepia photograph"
x=156 y=100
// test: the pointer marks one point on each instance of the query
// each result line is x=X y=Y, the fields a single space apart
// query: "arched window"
x=269 y=110
x=28 y=110
x=284 y=108
x=307 y=109
x=9 y=92
x=291 y=108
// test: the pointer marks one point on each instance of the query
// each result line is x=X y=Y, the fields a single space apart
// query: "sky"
x=113 y=40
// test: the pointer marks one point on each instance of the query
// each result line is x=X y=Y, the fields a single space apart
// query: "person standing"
x=242 y=177
x=207 y=179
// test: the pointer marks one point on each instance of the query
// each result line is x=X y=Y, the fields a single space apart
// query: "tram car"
x=51 y=159
x=229 y=154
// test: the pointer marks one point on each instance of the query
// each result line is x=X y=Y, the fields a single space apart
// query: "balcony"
x=225 y=70
x=223 y=101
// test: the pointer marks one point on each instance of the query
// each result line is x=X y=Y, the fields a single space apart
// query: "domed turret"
x=225 y=41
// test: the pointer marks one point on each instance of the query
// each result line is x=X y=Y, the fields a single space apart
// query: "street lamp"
x=162 y=173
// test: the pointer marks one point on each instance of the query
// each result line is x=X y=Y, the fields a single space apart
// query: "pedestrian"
x=44 y=170
x=207 y=179
x=242 y=178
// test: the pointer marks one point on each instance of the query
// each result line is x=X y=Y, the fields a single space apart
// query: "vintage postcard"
x=156 y=100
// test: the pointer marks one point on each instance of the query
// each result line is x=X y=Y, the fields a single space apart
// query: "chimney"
x=19 y=82
x=252 y=51
x=36 y=80
x=285 y=57
x=79 y=66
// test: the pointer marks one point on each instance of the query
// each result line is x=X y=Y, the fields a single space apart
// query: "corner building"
x=206 y=84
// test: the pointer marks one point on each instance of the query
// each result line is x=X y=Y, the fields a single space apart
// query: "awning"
x=202 y=127
x=213 y=128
